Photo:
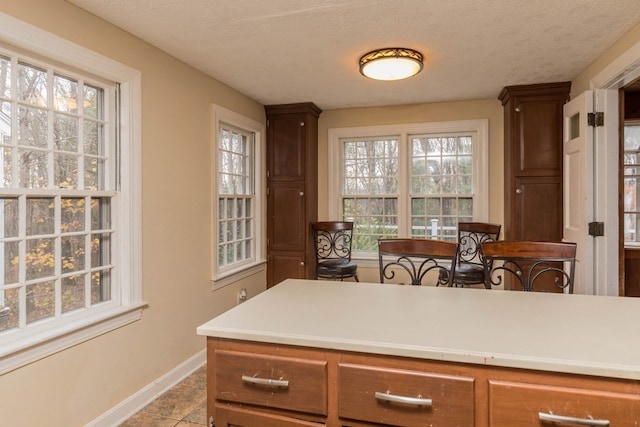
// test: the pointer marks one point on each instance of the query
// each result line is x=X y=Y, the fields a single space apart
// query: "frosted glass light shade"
x=391 y=64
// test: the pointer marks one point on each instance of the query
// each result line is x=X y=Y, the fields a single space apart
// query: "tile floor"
x=184 y=405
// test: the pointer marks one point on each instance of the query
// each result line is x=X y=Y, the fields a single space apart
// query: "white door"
x=591 y=190
x=578 y=187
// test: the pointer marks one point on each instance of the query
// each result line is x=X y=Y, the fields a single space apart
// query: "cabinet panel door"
x=272 y=381
x=537 y=209
x=229 y=416
x=285 y=265
x=287 y=226
x=538 y=137
x=519 y=404
x=393 y=397
x=286 y=148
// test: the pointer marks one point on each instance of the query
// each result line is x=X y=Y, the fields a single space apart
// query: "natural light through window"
x=69 y=186
x=237 y=207
x=415 y=180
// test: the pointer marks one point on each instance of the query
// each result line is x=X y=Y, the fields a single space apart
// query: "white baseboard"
x=125 y=409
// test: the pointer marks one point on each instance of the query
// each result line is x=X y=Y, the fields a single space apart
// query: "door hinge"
x=596 y=229
x=595 y=119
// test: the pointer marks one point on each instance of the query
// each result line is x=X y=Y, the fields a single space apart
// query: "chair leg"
x=356 y=277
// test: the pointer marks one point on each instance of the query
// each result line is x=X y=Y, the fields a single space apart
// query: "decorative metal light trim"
x=393 y=63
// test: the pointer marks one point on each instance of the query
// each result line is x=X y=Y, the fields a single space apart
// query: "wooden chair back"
x=469 y=268
x=471 y=235
x=528 y=264
x=418 y=258
x=332 y=245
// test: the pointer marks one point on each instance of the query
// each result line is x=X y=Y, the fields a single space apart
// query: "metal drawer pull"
x=417 y=401
x=265 y=381
x=571 y=420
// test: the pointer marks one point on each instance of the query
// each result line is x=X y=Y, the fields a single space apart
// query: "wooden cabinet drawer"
x=519 y=404
x=368 y=393
x=229 y=416
x=276 y=382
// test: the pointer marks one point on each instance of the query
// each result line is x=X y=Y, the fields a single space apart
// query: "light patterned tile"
x=142 y=419
x=177 y=402
x=185 y=403
x=198 y=415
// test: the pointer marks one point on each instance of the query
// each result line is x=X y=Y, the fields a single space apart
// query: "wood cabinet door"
x=537 y=209
x=287 y=225
x=407 y=398
x=277 y=382
x=286 y=147
x=285 y=265
x=519 y=404
x=538 y=137
x=227 y=416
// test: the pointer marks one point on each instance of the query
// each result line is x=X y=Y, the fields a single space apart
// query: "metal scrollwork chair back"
x=469 y=268
x=332 y=244
x=530 y=266
x=417 y=258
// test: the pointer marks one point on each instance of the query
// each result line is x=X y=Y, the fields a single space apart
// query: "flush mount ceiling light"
x=391 y=63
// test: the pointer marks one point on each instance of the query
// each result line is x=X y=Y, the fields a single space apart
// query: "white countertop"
x=581 y=334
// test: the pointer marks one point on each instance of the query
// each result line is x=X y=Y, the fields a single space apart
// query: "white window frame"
x=126 y=306
x=226 y=276
x=403 y=132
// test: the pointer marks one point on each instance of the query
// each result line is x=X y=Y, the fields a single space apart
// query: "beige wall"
x=77 y=385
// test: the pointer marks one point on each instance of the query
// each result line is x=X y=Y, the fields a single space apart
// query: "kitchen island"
x=342 y=353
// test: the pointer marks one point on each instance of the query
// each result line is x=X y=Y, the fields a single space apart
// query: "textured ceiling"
x=282 y=51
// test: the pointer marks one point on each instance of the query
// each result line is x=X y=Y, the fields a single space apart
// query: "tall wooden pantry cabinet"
x=292 y=190
x=533 y=161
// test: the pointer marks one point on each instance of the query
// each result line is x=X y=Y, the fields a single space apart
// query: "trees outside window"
x=416 y=180
x=237 y=206
x=69 y=194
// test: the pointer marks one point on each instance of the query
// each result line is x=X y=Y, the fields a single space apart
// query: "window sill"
x=39 y=346
x=230 y=277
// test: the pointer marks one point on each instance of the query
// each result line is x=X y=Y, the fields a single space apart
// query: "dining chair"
x=469 y=268
x=332 y=245
x=418 y=259
x=529 y=266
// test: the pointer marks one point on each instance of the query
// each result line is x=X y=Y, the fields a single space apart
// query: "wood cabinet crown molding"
x=556 y=88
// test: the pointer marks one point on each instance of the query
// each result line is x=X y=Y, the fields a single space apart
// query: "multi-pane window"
x=370 y=189
x=632 y=183
x=441 y=184
x=56 y=188
x=419 y=182
x=236 y=204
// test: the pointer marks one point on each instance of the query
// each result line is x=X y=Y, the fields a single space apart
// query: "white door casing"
x=606 y=193
x=620 y=72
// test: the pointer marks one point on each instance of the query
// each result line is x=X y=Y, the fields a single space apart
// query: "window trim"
x=480 y=159
x=227 y=276
x=127 y=212
x=628 y=243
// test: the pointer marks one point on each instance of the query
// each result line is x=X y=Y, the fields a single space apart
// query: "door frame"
x=620 y=72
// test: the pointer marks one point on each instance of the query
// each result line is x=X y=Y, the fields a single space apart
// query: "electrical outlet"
x=242 y=295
